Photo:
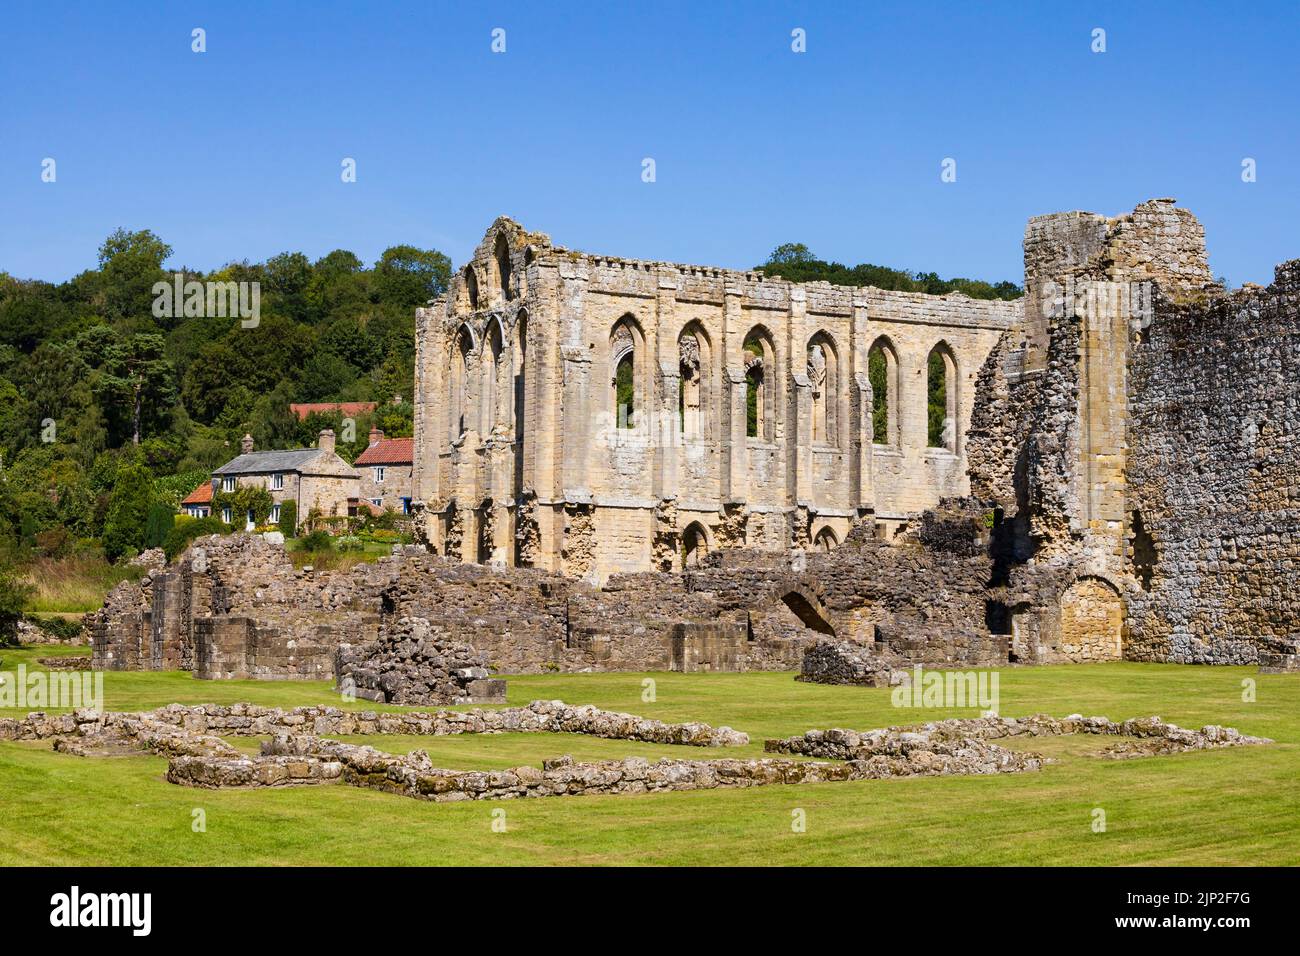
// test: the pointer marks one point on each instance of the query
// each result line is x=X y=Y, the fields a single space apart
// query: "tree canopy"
x=796 y=262
x=110 y=413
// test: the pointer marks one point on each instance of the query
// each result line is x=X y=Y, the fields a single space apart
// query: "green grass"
x=75 y=584
x=1236 y=806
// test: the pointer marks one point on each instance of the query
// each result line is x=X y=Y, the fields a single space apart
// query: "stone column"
x=801 y=492
x=797 y=398
x=577 y=432
x=666 y=431
x=664 y=428
x=734 y=462
x=430 y=425
x=862 y=493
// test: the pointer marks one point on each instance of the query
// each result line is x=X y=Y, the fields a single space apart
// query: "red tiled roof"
x=388 y=451
x=303 y=409
x=201 y=495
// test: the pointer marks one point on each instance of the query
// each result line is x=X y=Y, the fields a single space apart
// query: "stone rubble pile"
x=414 y=663
x=839 y=662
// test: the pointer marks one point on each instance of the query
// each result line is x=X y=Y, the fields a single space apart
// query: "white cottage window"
x=379 y=474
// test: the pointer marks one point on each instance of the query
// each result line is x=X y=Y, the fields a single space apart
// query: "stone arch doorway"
x=695 y=545
x=825 y=540
x=1092 y=621
x=809 y=611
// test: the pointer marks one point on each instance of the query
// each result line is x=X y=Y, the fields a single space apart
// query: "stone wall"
x=521 y=451
x=237 y=608
x=1213 y=497
x=207 y=723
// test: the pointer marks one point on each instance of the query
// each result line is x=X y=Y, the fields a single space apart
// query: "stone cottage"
x=313 y=478
x=385 y=469
x=198 y=503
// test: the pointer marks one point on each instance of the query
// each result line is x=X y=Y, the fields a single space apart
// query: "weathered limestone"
x=521 y=426
x=1138 y=446
x=832 y=662
x=963 y=740
x=412 y=663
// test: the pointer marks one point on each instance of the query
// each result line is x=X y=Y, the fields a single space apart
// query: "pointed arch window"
x=882 y=372
x=941 y=399
x=759 y=357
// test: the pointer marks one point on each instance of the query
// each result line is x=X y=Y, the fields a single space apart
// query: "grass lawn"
x=1237 y=806
x=73 y=585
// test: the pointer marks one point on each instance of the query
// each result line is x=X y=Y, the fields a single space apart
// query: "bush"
x=128 y=509
x=65 y=629
x=13 y=597
x=179 y=538
x=318 y=542
x=288 y=518
x=159 y=524
x=54 y=543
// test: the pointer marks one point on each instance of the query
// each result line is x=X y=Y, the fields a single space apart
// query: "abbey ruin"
x=625 y=464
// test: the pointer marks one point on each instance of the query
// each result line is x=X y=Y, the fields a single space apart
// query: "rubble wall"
x=1213 y=492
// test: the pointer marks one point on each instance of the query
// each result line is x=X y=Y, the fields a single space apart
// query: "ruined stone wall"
x=516 y=401
x=249 y=613
x=1213 y=493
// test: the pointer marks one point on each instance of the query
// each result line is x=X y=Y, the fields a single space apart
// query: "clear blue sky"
x=235 y=153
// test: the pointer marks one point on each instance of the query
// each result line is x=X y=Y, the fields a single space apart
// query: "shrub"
x=158 y=525
x=288 y=518
x=128 y=509
x=318 y=542
x=64 y=628
x=13 y=597
x=54 y=543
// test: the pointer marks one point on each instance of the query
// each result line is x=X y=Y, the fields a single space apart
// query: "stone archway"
x=695 y=545
x=809 y=610
x=1092 y=621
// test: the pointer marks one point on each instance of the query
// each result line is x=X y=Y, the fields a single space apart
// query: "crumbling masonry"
x=635 y=465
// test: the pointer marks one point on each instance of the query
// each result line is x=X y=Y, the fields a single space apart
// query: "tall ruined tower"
x=1091 y=285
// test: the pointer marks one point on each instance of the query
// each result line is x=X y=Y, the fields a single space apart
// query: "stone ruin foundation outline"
x=198 y=756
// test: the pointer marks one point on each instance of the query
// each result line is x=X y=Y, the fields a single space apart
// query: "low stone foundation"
x=64 y=663
x=297 y=756
x=961 y=740
x=250 y=720
x=414 y=663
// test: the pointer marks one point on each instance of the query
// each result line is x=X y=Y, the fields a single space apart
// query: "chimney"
x=376 y=436
x=325 y=442
x=246 y=444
